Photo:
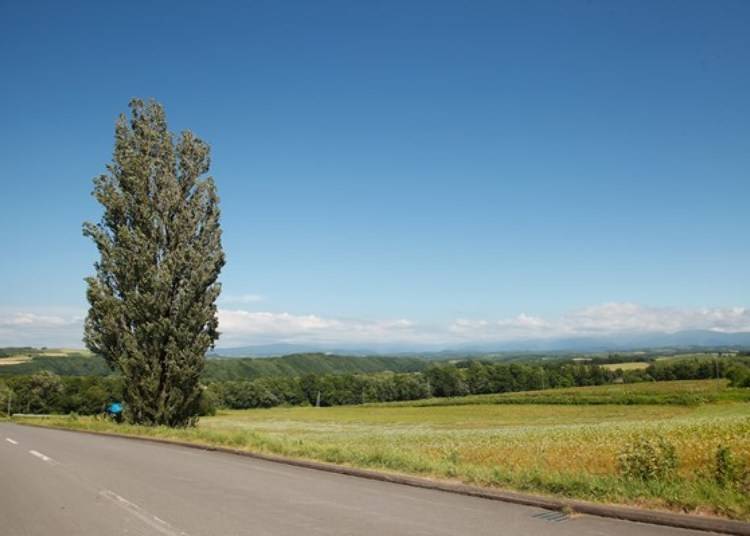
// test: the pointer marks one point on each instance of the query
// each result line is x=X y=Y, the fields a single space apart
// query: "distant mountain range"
x=604 y=343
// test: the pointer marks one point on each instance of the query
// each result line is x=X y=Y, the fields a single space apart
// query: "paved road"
x=66 y=483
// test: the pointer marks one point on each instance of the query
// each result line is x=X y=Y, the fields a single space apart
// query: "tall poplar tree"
x=152 y=312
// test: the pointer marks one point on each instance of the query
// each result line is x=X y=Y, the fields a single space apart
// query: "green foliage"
x=675 y=393
x=447 y=380
x=490 y=383
x=219 y=369
x=39 y=393
x=69 y=365
x=6 y=395
x=242 y=383
x=208 y=403
x=699 y=368
x=648 y=458
x=729 y=470
x=152 y=301
x=739 y=374
x=10 y=351
x=47 y=393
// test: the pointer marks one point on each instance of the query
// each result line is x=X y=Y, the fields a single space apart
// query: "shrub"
x=207 y=404
x=728 y=471
x=648 y=459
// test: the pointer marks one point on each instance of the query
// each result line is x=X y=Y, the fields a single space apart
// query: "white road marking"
x=11 y=441
x=149 y=519
x=42 y=456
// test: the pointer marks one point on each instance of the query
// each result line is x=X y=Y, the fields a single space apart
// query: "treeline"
x=323 y=389
x=735 y=368
x=474 y=377
x=46 y=392
x=455 y=380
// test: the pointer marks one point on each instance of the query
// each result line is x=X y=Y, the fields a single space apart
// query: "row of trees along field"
x=49 y=393
x=455 y=380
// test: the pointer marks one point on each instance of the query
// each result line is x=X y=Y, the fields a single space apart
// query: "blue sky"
x=400 y=170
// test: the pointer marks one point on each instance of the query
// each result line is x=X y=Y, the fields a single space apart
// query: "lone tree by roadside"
x=152 y=312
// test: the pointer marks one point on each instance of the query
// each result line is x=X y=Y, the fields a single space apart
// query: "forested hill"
x=226 y=368
x=70 y=365
x=301 y=364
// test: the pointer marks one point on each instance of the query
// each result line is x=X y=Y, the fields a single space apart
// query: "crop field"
x=26 y=357
x=14 y=360
x=564 y=449
x=633 y=365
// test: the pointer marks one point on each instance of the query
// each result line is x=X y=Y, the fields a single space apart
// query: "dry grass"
x=634 y=365
x=578 y=439
x=52 y=352
x=14 y=360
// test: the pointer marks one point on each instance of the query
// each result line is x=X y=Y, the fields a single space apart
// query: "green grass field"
x=563 y=449
x=686 y=392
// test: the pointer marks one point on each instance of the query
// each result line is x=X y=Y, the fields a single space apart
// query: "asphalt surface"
x=65 y=483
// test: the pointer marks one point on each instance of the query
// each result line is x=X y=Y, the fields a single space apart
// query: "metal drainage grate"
x=552 y=517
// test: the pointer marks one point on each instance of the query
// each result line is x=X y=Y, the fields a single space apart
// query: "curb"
x=653 y=517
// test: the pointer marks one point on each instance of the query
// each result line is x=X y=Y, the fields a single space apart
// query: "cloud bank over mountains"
x=607 y=319
x=240 y=326
x=60 y=328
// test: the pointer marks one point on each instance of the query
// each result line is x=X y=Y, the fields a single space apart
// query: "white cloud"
x=243 y=327
x=518 y=327
x=240 y=327
x=630 y=317
x=240 y=298
x=24 y=328
x=606 y=319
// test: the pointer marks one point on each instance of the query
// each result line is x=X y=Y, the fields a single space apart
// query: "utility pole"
x=10 y=397
x=317 y=400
